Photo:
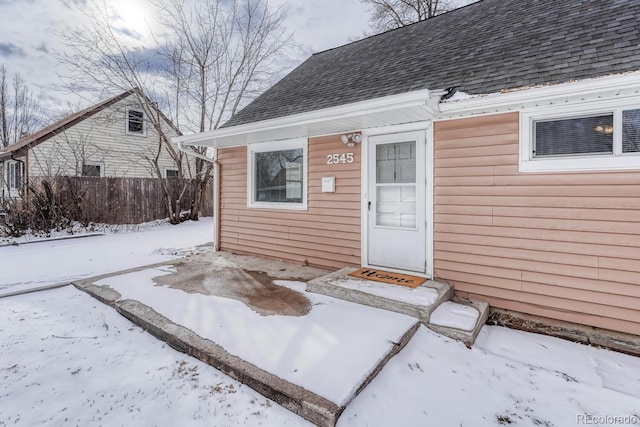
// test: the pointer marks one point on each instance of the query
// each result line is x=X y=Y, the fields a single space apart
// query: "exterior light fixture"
x=350 y=140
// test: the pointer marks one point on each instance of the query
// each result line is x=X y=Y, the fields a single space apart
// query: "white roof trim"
x=410 y=106
x=565 y=92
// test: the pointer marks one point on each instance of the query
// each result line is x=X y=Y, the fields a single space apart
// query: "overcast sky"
x=28 y=34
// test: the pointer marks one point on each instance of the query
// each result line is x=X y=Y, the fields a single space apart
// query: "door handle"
x=368 y=206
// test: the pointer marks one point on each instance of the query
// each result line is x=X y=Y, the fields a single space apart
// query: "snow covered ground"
x=66 y=359
x=508 y=378
x=60 y=261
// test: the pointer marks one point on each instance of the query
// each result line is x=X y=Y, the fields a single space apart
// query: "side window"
x=171 y=173
x=135 y=122
x=15 y=176
x=91 y=170
x=589 y=140
x=576 y=136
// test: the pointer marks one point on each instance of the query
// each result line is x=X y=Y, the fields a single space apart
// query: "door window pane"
x=631 y=131
x=396 y=185
x=279 y=176
x=396 y=163
x=396 y=206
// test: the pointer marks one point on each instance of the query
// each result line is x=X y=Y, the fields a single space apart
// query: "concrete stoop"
x=333 y=285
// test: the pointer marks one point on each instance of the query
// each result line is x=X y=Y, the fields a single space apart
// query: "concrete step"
x=419 y=302
x=433 y=303
x=460 y=319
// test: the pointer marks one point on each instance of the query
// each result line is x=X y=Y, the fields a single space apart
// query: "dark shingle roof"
x=485 y=47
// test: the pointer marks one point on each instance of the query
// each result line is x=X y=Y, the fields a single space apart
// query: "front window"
x=279 y=176
x=597 y=138
x=278 y=173
x=135 y=122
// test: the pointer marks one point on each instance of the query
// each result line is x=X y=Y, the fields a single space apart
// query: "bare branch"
x=389 y=14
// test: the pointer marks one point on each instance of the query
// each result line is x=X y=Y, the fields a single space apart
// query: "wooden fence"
x=124 y=200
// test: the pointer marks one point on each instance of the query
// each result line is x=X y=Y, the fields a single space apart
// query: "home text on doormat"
x=388 y=277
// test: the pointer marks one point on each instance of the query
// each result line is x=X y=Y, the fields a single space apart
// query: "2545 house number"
x=335 y=159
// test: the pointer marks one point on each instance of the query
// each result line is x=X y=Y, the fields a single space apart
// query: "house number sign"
x=335 y=159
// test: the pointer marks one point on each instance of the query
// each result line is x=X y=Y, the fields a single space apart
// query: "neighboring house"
x=496 y=146
x=110 y=139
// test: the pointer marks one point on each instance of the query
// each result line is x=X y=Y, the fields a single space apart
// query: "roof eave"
x=407 y=107
x=582 y=90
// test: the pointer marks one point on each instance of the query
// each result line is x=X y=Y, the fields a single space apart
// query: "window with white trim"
x=91 y=170
x=587 y=139
x=135 y=122
x=277 y=174
x=171 y=173
x=14 y=177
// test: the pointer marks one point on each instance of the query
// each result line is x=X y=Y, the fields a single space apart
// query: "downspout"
x=216 y=189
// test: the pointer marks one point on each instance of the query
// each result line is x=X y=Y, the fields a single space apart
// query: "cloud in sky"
x=43 y=48
x=30 y=27
x=128 y=32
x=8 y=50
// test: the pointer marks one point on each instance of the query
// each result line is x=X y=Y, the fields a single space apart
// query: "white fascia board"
x=565 y=92
x=225 y=137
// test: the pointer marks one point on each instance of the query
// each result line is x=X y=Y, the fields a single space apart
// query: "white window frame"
x=144 y=122
x=579 y=162
x=13 y=169
x=98 y=164
x=166 y=169
x=264 y=147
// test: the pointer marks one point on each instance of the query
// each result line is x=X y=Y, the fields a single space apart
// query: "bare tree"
x=218 y=54
x=221 y=54
x=389 y=14
x=99 y=60
x=20 y=111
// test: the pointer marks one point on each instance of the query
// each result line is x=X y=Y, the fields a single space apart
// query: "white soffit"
x=396 y=109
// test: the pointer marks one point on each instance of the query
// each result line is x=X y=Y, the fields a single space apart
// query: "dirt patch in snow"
x=254 y=288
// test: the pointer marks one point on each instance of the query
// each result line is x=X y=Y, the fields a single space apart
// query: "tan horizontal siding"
x=558 y=245
x=327 y=234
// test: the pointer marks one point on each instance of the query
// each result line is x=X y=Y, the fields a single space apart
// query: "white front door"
x=397 y=201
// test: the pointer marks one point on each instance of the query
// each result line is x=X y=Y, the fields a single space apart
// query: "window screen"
x=583 y=135
x=631 y=131
x=279 y=176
